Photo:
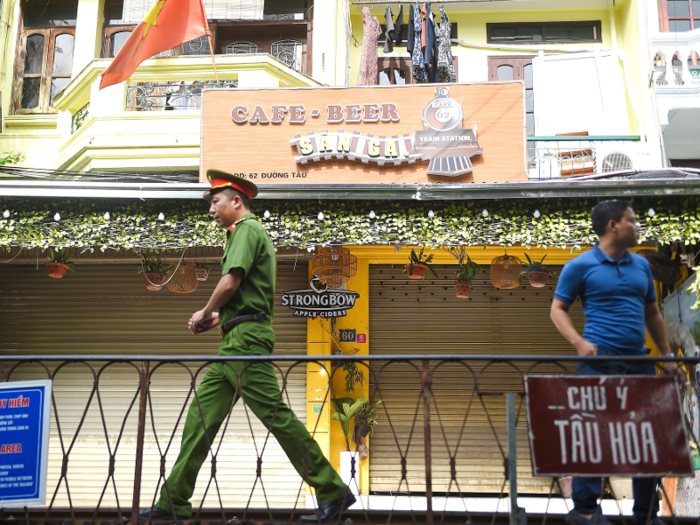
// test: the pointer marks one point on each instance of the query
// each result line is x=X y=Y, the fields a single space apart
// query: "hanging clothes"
x=368 y=61
x=388 y=30
x=445 y=66
x=398 y=27
x=429 y=37
x=420 y=73
x=423 y=13
x=431 y=43
x=410 y=38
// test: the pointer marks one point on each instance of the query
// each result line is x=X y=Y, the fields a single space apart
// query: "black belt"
x=232 y=323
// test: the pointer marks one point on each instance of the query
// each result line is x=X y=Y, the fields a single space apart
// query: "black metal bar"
x=143 y=387
x=354 y=358
x=426 y=383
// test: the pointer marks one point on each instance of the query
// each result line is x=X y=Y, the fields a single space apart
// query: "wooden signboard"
x=367 y=135
x=606 y=426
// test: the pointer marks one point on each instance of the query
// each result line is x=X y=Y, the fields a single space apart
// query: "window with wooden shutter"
x=44 y=60
x=43 y=68
x=679 y=15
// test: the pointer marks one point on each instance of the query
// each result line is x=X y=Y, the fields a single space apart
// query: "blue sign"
x=25 y=416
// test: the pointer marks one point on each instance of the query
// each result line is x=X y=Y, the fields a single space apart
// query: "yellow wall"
x=329 y=433
x=628 y=40
x=619 y=30
x=471 y=27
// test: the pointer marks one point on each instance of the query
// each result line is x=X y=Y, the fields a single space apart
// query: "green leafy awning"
x=129 y=224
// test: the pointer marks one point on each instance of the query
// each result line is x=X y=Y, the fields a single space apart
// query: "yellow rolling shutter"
x=105 y=309
x=416 y=317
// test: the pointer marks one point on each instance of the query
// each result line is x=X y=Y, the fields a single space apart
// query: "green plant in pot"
x=466 y=271
x=536 y=272
x=365 y=421
x=418 y=264
x=360 y=412
x=154 y=270
x=58 y=263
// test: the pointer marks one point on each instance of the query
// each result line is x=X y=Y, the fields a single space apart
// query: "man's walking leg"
x=261 y=392
x=644 y=492
x=215 y=395
x=585 y=493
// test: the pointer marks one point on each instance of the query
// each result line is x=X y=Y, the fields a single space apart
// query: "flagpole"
x=211 y=41
x=211 y=51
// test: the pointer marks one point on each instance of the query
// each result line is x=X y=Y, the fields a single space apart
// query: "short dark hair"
x=606 y=211
x=232 y=192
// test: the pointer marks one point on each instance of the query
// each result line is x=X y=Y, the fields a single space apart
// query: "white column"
x=88 y=34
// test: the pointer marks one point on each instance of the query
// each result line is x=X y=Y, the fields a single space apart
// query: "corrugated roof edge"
x=28 y=183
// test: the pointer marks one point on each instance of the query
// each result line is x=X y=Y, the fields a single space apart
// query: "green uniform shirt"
x=249 y=248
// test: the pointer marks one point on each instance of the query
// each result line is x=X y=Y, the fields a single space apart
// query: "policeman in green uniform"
x=244 y=299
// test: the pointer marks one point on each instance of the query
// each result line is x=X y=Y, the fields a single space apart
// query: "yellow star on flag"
x=152 y=17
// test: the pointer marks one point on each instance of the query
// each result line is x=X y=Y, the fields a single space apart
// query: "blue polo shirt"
x=614 y=295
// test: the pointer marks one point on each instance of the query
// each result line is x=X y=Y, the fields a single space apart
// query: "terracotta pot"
x=418 y=270
x=462 y=289
x=201 y=273
x=538 y=279
x=56 y=270
x=155 y=279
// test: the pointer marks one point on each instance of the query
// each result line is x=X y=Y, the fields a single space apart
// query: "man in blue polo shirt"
x=618 y=298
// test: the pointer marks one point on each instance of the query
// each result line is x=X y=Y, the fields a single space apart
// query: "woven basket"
x=334 y=266
x=184 y=280
x=505 y=271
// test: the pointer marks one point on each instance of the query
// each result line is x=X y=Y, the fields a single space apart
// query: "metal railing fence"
x=431 y=434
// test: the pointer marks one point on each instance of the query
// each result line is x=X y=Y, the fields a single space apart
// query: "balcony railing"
x=567 y=156
x=126 y=435
x=171 y=96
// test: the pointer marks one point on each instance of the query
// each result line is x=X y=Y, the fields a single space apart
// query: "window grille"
x=241 y=48
x=289 y=52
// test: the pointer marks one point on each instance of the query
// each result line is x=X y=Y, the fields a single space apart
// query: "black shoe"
x=158 y=514
x=329 y=511
x=574 y=518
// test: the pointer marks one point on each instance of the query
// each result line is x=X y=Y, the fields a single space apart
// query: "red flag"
x=168 y=24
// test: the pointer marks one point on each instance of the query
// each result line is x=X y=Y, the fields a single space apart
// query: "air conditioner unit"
x=560 y=159
x=620 y=156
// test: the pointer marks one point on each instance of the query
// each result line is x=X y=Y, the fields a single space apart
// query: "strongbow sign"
x=606 y=426
x=319 y=301
x=409 y=134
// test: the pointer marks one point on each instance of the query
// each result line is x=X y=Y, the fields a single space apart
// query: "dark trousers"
x=586 y=491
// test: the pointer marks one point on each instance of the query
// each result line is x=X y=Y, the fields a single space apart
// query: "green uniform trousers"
x=261 y=392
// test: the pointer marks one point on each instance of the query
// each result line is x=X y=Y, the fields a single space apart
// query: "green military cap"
x=222 y=179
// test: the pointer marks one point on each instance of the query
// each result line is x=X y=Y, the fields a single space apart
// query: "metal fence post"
x=143 y=387
x=426 y=382
x=517 y=515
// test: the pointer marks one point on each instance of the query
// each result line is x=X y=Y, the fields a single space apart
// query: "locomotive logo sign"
x=444 y=143
x=319 y=301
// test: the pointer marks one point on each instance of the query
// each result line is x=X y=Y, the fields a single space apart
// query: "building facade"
x=551 y=98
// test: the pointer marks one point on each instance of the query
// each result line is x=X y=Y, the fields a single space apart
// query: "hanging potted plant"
x=154 y=272
x=536 y=272
x=465 y=273
x=418 y=265
x=201 y=271
x=58 y=263
x=365 y=421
